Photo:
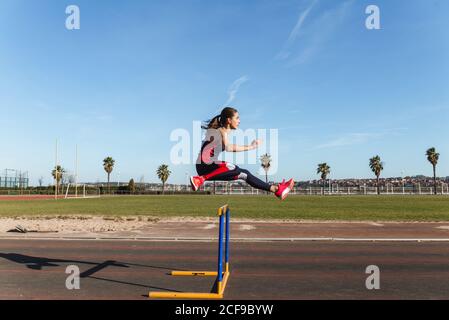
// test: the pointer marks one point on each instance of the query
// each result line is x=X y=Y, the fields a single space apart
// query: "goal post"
x=67 y=191
x=80 y=190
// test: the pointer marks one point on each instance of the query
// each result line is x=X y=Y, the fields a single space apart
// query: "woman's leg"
x=243 y=174
x=211 y=170
x=225 y=171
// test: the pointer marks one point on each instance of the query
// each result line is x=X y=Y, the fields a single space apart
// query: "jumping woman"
x=216 y=141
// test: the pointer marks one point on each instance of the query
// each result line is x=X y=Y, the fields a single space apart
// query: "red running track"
x=35 y=269
x=30 y=197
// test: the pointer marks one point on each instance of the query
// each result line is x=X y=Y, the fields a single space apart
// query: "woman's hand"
x=256 y=143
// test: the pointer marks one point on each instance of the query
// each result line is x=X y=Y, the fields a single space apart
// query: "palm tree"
x=433 y=157
x=41 y=180
x=376 y=166
x=324 y=170
x=108 y=165
x=163 y=173
x=265 y=162
x=57 y=174
x=131 y=186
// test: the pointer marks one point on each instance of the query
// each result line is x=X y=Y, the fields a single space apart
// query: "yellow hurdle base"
x=195 y=273
x=194 y=295
x=185 y=295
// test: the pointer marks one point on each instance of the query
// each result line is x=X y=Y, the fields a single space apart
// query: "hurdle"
x=222 y=276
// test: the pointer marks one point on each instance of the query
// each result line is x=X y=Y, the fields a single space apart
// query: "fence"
x=335 y=189
x=82 y=190
x=224 y=188
x=369 y=190
x=14 y=179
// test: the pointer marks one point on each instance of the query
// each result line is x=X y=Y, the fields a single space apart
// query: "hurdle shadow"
x=37 y=263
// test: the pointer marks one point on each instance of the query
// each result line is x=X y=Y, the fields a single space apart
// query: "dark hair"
x=220 y=120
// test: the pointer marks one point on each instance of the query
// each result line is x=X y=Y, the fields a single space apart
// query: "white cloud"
x=234 y=88
x=284 y=53
x=314 y=37
x=358 y=138
x=349 y=139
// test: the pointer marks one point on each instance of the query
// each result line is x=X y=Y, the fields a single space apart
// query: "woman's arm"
x=236 y=148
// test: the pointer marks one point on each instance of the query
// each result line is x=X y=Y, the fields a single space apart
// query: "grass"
x=356 y=208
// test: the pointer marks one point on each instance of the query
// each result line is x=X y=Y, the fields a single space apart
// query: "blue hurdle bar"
x=220 y=250
x=228 y=214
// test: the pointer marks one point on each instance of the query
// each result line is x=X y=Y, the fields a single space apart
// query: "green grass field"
x=376 y=208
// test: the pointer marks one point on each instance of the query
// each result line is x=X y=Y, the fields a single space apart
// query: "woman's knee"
x=244 y=174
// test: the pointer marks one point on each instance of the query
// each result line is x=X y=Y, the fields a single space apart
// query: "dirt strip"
x=141 y=227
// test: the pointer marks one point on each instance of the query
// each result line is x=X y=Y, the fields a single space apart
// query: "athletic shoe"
x=284 y=188
x=196 y=182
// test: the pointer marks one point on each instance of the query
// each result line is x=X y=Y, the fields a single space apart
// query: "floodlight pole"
x=56 y=170
x=76 y=171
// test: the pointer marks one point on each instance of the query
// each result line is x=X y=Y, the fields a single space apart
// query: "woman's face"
x=234 y=121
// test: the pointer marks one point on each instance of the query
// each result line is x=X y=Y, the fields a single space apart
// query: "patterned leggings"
x=225 y=171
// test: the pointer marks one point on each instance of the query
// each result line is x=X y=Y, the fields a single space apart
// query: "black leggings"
x=225 y=171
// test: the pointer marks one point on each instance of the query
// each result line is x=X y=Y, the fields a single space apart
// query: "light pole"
x=403 y=182
x=76 y=171
x=56 y=170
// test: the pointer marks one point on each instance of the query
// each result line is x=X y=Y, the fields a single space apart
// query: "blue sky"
x=136 y=70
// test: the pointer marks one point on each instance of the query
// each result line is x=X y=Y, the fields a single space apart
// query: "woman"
x=216 y=141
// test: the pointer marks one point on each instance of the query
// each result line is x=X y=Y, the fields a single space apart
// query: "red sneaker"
x=196 y=182
x=284 y=188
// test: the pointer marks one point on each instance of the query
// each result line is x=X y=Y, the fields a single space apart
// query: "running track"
x=35 y=269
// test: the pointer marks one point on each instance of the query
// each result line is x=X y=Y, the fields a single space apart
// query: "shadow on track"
x=37 y=263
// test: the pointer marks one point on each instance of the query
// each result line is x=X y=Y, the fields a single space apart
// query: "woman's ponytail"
x=220 y=120
x=213 y=123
